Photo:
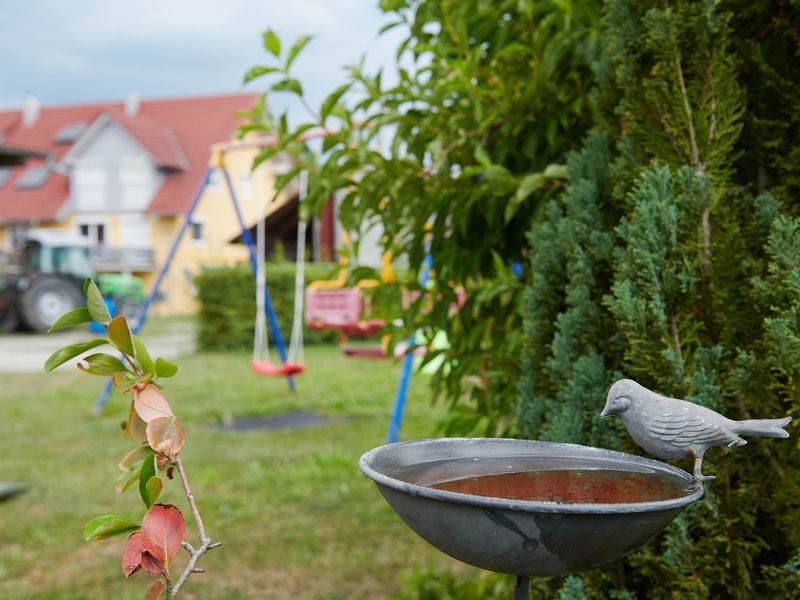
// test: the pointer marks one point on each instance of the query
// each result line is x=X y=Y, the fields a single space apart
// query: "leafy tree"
x=681 y=262
x=490 y=97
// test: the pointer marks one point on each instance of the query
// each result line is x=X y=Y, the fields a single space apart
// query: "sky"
x=76 y=51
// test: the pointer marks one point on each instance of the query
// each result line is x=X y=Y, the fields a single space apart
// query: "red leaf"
x=154 y=593
x=134 y=428
x=163 y=530
x=162 y=460
x=152 y=565
x=150 y=403
x=165 y=436
x=132 y=555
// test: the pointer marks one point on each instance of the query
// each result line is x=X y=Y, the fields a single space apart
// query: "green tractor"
x=47 y=280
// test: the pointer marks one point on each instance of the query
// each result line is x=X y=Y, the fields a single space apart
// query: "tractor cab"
x=48 y=281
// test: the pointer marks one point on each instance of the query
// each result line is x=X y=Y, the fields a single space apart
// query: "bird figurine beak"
x=604 y=413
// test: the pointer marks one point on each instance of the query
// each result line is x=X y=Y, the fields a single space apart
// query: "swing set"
x=329 y=304
x=291 y=362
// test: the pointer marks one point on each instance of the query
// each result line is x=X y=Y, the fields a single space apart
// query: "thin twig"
x=699 y=167
x=676 y=338
x=205 y=542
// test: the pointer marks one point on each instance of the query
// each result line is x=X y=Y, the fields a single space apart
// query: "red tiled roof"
x=176 y=132
x=157 y=138
x=41 y=204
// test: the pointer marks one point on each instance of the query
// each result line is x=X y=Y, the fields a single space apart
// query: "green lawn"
x=297 y=518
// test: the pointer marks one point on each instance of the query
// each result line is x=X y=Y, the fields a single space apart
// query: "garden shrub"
x=227 y=297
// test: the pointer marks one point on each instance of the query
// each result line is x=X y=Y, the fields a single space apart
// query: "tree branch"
x=676 y=339
x=699 y=167
x=205 y=542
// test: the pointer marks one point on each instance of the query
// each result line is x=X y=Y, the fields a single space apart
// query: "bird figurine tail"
x=764 y=427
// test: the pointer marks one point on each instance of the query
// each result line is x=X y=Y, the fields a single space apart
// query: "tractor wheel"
x=130 y=308
x=46 y=299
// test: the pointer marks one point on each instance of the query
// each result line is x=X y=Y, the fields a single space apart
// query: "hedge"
x=228 y=306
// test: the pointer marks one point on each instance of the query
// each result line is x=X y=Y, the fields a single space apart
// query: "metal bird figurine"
x=669 y=428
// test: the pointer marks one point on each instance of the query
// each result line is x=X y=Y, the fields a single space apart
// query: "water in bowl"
x=561 y=481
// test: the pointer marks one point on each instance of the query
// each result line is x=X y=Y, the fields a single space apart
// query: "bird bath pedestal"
x=466 y=497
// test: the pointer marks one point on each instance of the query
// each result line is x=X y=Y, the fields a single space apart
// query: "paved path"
x=27 y=353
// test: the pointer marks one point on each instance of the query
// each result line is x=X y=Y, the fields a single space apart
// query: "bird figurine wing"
x=677 y=424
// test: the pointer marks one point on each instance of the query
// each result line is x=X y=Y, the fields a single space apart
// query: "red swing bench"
x=342 y=309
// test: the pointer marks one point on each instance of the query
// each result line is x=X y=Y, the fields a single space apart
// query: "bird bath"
x=589 y=506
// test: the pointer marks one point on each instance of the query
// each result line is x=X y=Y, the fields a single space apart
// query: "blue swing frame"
x=102 y=399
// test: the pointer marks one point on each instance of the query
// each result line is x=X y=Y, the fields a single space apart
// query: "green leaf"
x=95 y=303
x=265 y=154
x=555 y=171
x=482 y=157
x=126 y=479
x=258 y=71
x=142 y=355
x=529 y=184
x=72 y=318
x=389 y=26
x=138 y=454
x=152 y=490
x=288 y=85
x=120 y=335
x=330 y=102
x=295 y=50
x=102 y=364
x=106 y=526
x=62 y=355
x=272 y=43
x=164 y=368
x=148 y=471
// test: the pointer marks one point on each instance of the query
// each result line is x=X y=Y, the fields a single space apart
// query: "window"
x=5 y=173
x=33 y=178
x=135 y=182
x=197 y=232
x=134 y=231
x=69 y=133
x=18 y=234
x=246 y=186
x=94 y=232
x=90 y=185
x=214 y=181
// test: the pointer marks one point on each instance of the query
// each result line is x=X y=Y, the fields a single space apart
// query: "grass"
x=297 y=518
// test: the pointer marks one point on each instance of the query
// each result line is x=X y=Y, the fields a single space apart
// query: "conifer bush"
x=673 y=258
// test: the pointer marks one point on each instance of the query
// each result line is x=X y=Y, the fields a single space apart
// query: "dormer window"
x=90 y=185
x=135 y=182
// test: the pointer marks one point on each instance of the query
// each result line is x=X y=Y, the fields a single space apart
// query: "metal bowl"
x=518 y=537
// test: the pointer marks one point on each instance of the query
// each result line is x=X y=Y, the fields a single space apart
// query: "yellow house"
x=125 y=175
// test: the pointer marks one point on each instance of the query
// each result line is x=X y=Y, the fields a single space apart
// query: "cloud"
x=96 y=50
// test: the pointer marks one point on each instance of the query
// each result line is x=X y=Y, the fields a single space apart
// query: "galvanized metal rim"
x=365 y=464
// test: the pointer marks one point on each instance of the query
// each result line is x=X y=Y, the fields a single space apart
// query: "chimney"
x=132 y=103
x=30 y=110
